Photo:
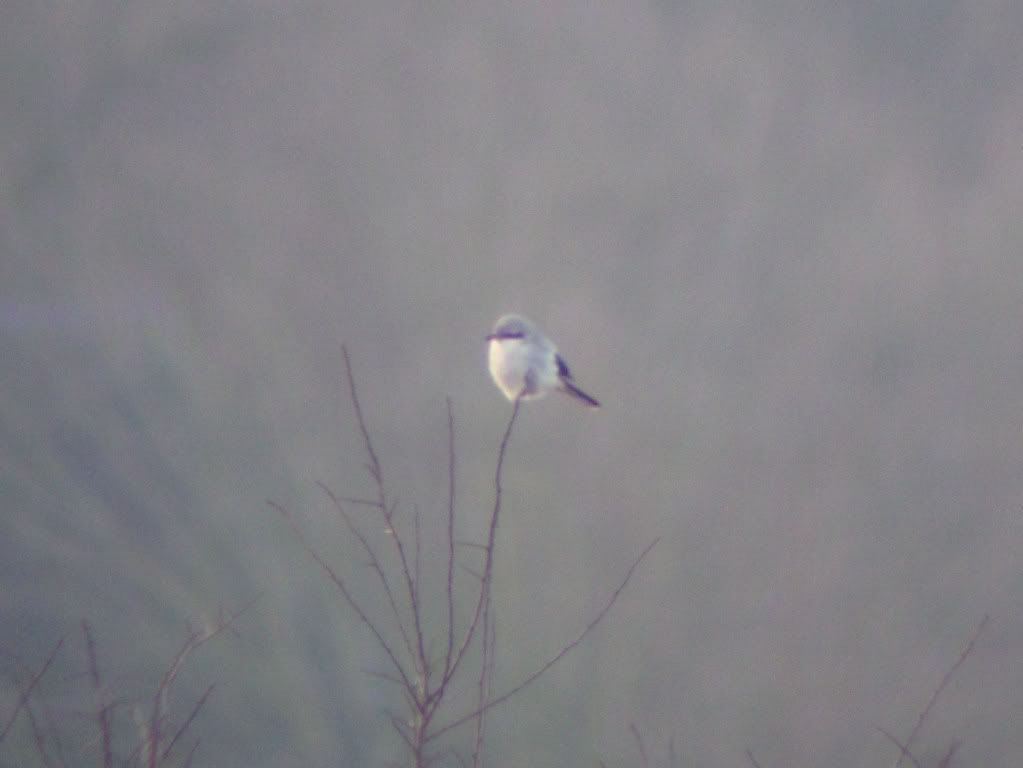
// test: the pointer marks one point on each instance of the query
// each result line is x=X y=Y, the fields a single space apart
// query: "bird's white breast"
x=509 y=362
x=518 y=363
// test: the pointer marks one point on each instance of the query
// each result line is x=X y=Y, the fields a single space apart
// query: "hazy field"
x=781 y=243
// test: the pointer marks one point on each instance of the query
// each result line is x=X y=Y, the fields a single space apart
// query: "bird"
x=526 y=365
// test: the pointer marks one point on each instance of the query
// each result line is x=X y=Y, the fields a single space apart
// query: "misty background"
x=781 y=243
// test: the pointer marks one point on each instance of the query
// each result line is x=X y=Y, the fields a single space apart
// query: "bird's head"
x=510 y=327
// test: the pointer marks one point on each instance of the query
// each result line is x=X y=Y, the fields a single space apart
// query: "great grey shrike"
x=525 y=364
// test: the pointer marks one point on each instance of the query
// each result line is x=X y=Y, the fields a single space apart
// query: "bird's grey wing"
x=529 y=384
x=563 y=371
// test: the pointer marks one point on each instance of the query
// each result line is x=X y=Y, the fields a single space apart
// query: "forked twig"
x=374 y=467
x=488 y=557
x=195 y=639
x=374 y=562
x=342 y=586
x=903 y=749
x=941 y=687
x=26 y=693
x=188 y=721
x=374 y=462
x=557 y=657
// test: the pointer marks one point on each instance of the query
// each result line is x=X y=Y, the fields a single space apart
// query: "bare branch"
x=343 y=587
x=201 y=636
x=944 y=681
x=639 y=743
x=400 y=726
x=374 y=462
x=560 y=655
x=471 y=572
x=24 y=696
x=488 y=560
x=417 y=580
x=377 y=473
x=102 y=713
x=753 y=760
x=410 y=587
x=38 y=735
x=946 y=761
x=191 y=754
x=188 y=721
x=195 y=639
x=383 y=676
x=53 y=731
x=374 y=563
x=423 y=697
x=903 y=749
x=484 y=682
x=451 y=541
x=363 y=502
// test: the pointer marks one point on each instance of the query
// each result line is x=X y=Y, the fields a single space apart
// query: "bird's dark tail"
x=571 y=389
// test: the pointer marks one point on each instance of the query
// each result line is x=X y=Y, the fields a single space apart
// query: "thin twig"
x=903 y=749
x=451 y=540
x=560 y=655
x=373 y=460
x=488 y=559
x=378 y=477
x=944 y=681
x=483 y=684
x=417 y=581
x=102 y=713
x=946 y=761
x=191 y=754
x=200 y=637
x=410 y=587
x=383 y=676
x=54 y=732
x=195 y=639
x=38 y=735
x=188 y=721
x=753 y=760
x=24 y=696
x=363 y=502
x=399 y=725
x=374 y=563
x=51 y=732
x=343 y=588
x=639 y=743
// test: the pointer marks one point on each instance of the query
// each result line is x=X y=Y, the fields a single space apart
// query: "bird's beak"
x=491 y=336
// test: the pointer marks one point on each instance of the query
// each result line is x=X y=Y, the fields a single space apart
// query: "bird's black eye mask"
x=506 y=335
